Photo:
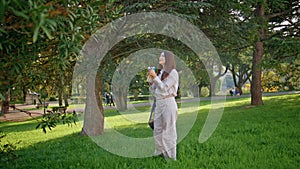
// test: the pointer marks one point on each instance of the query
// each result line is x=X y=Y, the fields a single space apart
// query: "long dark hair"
x=169 y=65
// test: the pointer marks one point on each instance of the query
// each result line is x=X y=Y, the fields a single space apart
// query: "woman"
x=164 y=87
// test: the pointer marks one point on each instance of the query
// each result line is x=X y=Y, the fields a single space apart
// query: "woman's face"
x=162 y=59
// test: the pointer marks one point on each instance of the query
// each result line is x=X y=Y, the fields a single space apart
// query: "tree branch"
x=277 y=14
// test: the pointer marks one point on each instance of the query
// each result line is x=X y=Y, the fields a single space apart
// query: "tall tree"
x=268 y=15
x=99 y=13
x=256 y=88
x=21 y=21
x=258 y=23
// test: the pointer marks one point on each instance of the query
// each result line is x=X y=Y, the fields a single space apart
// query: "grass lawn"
x=247 y=137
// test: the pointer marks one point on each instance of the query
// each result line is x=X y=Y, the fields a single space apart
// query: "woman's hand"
x=152 y=73
x=149 y=78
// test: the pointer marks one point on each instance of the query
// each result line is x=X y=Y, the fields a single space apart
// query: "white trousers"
x=165 y=135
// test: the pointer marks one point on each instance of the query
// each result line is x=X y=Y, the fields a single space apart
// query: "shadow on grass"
x=58 y=153
x=72 y=151
x=18 y=126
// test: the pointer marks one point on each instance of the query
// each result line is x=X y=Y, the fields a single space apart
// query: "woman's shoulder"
x=174 y=72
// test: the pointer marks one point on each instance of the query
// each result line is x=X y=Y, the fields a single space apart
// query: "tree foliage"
x=41 y=41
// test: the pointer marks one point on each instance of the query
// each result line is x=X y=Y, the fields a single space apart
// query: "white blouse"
x=167 y=87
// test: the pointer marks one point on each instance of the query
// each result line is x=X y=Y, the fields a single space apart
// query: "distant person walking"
x=107 y=98
x=111 y=98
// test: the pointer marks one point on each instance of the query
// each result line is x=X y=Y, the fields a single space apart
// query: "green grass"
x=265 y=136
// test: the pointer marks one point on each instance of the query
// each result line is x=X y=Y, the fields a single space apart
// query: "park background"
x=258 y=44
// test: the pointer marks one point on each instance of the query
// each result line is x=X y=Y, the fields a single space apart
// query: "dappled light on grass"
x=127 y=134
x=27 y=133
x=138 y=119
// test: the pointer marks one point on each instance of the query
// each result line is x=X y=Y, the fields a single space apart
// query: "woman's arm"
x=171 y=81
x=152 y=87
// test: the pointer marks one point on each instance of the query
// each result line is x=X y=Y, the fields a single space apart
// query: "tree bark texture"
x=93 y=124
x=121 y=100
x=256 y=87
x=5 y=103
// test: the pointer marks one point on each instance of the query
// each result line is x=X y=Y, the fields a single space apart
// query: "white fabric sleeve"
x=152 y=88
x=168 y=86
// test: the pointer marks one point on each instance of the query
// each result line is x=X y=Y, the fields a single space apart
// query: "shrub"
x=50 y=120
x=52 y=98
x=204 y=92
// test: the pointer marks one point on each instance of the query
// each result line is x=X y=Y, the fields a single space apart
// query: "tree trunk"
x=120 y=96
x=60 y=91
x=5 y=103
x=135 y=94
x=240 y=83
x=212 y=91
x=199 y=89
x=60 y=103
x=256 y=88
x=121 y=99
x=65 y=94
x=94 y=117
x=66 y=99
x=212 y=88
x=239 y=88
x=234 y=75
x=24 y=94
